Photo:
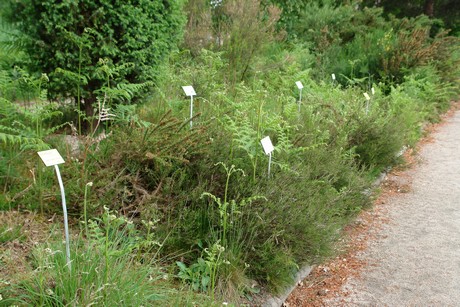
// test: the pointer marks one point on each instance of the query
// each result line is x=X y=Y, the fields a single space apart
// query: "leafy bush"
x=370 y=46
x=67 y=41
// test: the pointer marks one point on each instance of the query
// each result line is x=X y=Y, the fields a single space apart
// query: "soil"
x=405 y=250
x=15 y=254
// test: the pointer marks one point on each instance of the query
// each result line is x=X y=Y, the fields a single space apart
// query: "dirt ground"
x=405 y=251
x=32 y=230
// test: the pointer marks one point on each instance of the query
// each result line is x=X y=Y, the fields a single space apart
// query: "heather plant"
x=240 y=29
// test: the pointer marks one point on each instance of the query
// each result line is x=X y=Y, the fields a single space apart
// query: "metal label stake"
x=269 y=163
x=300 y=87
x=53 y=158
x=368 y=99
x=268 y=149
x=190 y=91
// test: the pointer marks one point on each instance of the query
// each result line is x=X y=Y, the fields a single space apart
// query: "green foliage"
x=202 y=275
x=10 y=234
x=445 y=10
x=376 y=140
x=12 y=85
x=186 y=191
x=72 y=37
x=24 y=130
x=98 y=271
x=370 y=48
x=240 y=29
x=412 y=47
x=197 y=274
x=244 y=30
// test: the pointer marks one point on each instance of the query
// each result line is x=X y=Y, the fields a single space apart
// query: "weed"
x=9 y=234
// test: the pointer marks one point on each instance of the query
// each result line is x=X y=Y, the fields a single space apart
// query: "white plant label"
x=51 y=157
x=299 y=85
x=333 y=77
x=189 y=90
x=367 y=96
x=372 y=91
x=267 y=145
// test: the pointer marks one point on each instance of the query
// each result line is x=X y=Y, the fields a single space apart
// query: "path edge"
x=277 y=301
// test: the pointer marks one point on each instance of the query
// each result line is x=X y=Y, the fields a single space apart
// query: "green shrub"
x=69 y=40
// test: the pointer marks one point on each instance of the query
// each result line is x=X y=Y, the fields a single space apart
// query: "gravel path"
x=415 y=259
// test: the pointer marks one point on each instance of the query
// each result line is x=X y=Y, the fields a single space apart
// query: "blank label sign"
x=267 y=145
x=299 y=85
x=51 y=157
x=189 y=90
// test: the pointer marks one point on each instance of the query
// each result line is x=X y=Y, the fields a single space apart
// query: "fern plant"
x=14 y=130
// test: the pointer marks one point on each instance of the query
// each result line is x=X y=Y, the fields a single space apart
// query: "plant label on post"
x=373 y=91
x=368 y=98
x=300 y=87
x=190 y=91
x=53 y=158
x=268 y=149
x=333 y=79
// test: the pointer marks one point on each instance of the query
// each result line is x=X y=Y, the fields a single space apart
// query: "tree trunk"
x=428 y=8
x=90 y=122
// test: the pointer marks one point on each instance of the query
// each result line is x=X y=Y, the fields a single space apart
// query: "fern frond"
x=72 y=76
x=25 y=143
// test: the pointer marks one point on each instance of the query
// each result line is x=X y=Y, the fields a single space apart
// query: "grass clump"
x=106 y=269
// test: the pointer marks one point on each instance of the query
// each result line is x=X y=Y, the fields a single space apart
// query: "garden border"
x=277 y=301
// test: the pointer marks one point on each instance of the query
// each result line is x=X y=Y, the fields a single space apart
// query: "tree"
x=84 y=45
x=428 y=8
